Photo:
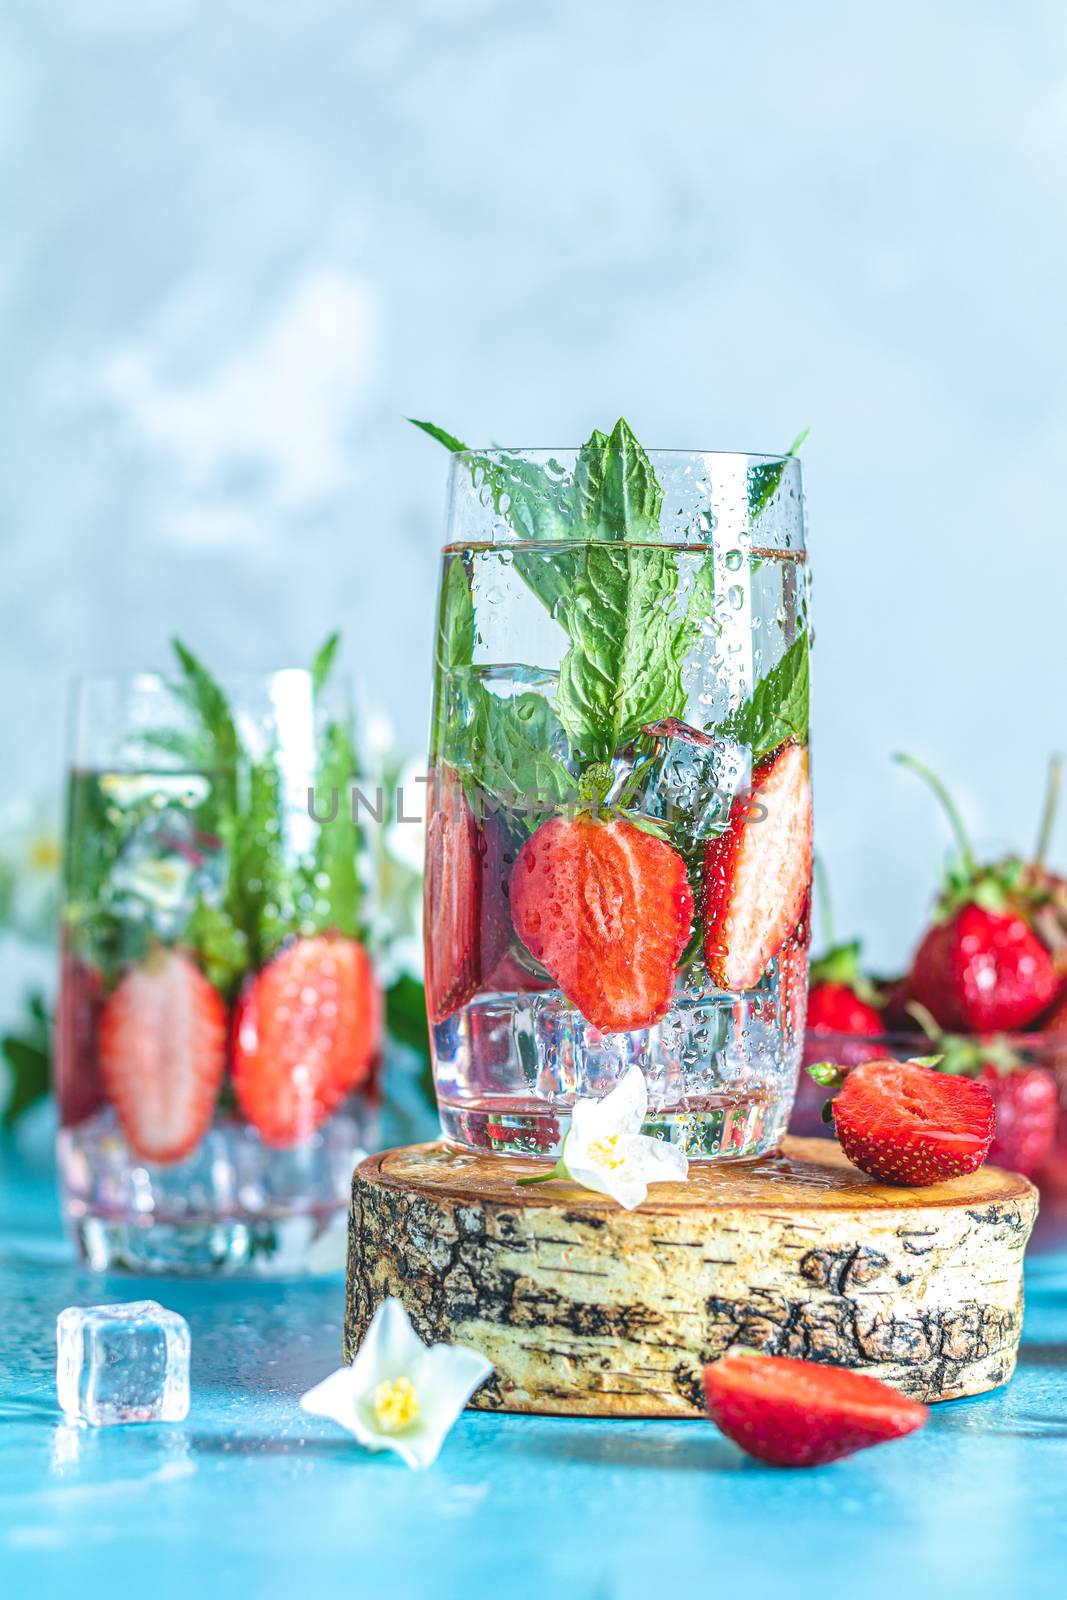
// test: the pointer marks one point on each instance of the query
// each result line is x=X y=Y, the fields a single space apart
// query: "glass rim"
x=498 y=451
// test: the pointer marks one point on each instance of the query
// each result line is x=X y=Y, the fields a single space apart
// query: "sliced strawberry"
x=1028 y=1110
x=983 y=972
x=757 y=873
x=910 y=1125
x=466 y=921
x=79 y=1091
x=801 y=1414
x=162 y=1049
x=307 y=1032
x=607 y=909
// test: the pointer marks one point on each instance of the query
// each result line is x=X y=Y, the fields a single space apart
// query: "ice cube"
x=124 y=1363
x=690 y=780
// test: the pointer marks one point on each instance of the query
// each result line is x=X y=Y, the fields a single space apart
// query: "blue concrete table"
x=250 y=1498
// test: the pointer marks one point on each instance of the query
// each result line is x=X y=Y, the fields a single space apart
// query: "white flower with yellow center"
x=605 y=1149
x=400 y=1394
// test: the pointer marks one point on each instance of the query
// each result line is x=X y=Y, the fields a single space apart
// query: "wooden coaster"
x=586 y=1309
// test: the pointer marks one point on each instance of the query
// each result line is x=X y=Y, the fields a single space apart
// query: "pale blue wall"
x=240 y=241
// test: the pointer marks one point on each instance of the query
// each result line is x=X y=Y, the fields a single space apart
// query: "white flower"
x=398 y=1394
x=605 y=1149
x=30 y=861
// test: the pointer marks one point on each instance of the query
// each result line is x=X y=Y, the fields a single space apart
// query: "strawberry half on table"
x=307 y=1032
x=981 y=967
x=757 y=873
x=607 y=910
x=162 y=1045
x=904 y=1123
x=803 y=1414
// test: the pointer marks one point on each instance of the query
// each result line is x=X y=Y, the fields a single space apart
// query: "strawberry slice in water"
x=802 y=1414
x=607 y=909
x=757 y=872
x=307 y=1033
x=467 y=927
x=162 y=1046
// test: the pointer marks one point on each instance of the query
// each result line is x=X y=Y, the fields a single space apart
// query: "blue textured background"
x=241 y=241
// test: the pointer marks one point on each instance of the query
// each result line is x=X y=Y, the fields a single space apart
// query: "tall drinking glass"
x=218 y=1020
x=619 y=838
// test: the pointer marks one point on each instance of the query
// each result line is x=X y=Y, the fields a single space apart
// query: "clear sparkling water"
x=721 y=1067
x=721 y=1071
x=122 y=1363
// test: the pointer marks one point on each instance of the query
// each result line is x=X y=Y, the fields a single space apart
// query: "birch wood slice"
x=589 y=1310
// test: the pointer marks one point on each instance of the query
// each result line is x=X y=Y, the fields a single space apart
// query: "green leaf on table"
x=405 y=1014
x=778 y=708
x=28 y=1053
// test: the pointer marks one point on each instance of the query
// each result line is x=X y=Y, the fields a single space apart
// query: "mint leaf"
x=338 y=891
x=763 y=480
x=220 y=945
x=322 y=665
x=200 y=692
x=513 y=739
x=442 y=436
x=455 y=617
x=615 y=492
x=623 y=667
x=779 y=705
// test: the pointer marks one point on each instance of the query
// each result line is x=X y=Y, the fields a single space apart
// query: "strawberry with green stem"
x=841 y=998
x=981 y=967
x=1026 y=1096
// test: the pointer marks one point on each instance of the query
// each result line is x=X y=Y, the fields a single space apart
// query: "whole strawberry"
x=1026 y=1096
x=841 y=999
x=981 y=967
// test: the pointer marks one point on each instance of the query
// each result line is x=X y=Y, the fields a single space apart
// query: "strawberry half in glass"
x=619 y=833
x=219 y=1020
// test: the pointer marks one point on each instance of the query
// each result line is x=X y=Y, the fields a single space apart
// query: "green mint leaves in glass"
x=219 y=1018
x=619 y=837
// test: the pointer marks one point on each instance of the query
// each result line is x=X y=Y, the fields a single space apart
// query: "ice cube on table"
x=124 y=1363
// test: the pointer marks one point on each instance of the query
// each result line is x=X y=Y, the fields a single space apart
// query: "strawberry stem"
x=949 y=807
x=926 y=1020
x=1048 y=812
